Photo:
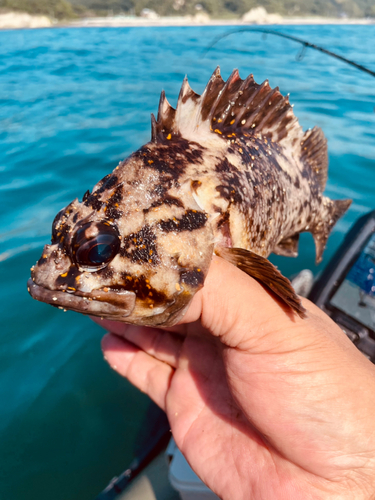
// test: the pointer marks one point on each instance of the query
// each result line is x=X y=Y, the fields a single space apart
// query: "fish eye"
x=54 y=224
x=95 y=244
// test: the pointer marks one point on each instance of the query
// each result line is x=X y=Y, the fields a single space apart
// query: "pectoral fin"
x=266 y=273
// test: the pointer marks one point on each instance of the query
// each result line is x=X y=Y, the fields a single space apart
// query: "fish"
x=228 y=173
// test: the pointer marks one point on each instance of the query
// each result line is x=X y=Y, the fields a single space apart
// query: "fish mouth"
x=104 y=303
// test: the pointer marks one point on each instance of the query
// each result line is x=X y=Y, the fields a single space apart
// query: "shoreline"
x=20 y=20
x=175 y=21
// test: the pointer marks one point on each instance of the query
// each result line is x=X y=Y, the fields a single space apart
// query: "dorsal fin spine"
x=250 y=119
x=246 y=84
x=266 y=102
x=233 y=77
x=161 y=102
x=153 y=128
x=243 y=106
x=163 y=107
x=214 y=80
x=185 y=88
x=166 y=116
x=272 y=110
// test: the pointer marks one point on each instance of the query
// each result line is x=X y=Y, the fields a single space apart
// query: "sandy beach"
x=22 y=20
x=139 y=22
x=258 y=16
x=267 y=19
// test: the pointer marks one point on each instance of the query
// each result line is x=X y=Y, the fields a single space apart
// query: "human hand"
x=263 y=404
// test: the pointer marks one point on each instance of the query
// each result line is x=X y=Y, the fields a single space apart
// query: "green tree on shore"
x=56 y=9
x=63 y=9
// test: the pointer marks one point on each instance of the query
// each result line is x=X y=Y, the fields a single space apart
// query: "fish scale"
x=230 y=173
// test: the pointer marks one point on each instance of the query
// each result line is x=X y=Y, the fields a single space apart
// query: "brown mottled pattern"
x=258 y=185
x=141 y=246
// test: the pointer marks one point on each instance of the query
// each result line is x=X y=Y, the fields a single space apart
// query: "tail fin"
x=334 y=210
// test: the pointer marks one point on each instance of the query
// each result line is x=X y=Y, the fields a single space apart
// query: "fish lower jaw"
x=97 y=303
x=116 y=306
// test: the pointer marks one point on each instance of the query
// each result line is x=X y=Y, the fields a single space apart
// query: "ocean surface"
x=73 y=103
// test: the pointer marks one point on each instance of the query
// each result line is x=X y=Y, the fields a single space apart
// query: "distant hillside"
x=236 y=8
x=57 y=9
x=62 y=9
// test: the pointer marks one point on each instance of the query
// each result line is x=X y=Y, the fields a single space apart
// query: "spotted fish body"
x=229 y=172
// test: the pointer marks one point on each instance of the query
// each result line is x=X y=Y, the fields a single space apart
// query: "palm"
x=207 y=424
x=214 y=433
x=262 y=406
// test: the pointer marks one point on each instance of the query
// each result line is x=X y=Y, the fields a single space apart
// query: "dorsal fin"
x=241 y=106
x=314 y=152
x=245 y=106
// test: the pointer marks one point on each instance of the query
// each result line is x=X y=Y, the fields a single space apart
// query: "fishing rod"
x=304 y=43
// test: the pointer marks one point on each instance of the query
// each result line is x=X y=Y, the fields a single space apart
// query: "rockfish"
x=230 y=172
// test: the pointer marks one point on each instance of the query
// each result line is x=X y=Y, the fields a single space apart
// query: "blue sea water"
x=73 y=102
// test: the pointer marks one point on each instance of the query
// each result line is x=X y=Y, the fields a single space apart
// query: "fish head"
x=126 y=252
